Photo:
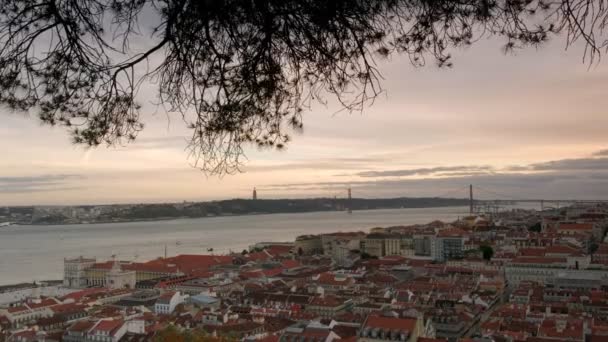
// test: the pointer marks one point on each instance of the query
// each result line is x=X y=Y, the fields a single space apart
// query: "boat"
x=5 y=224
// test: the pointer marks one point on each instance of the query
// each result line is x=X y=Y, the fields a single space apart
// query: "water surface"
x=30 y=253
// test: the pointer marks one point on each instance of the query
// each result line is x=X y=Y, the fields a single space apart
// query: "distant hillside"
x=138 y=212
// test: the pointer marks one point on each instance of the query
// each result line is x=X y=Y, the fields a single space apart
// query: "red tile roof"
x=107 y=325
x=539 y=260
x=277 y=250
x=391 y=323
x=289 y=263
x=78 y=295
x=69 y=307
x=576 y=226
x=570 y=329
x=562 y=249
x=327 y=301
x=452 y=232
x=81 y=326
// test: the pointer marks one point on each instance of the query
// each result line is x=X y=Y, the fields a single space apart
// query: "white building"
x=560 y=272
x=167 y=302
x=448 y=244
x=74 y=271
x=117 y=278
x=29 y=311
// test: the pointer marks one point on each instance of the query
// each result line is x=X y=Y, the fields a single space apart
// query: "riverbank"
x=232 y=214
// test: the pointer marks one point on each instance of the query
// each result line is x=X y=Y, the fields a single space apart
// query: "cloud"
x=28 y=184
x=572 y=165
x=599 y=163
x=444 y=170
x=340 y=163
x=498 y=186
x=601 y=153
x=575 y=178
x=157 y=143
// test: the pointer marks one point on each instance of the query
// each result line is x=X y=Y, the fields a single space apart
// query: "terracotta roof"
x=575 y=226
x=81 y=326
x=539 y=260
x=107 y=325
x=167 y=295
x=452 y=232
x=328 y=301
x=328 y=278
x=532 y=251
x=562 y=249
x=565 y=329
x=271 y=338
x=186 y=263
x=78 y=295
x=391 y=323
x=69 y=307
x=276 y=250
x=290 y=263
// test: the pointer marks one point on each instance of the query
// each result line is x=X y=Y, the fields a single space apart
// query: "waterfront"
x=30 y=253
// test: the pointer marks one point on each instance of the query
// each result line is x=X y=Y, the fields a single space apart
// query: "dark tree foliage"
x=487 y=251
x=535 y=227
x=242 y=72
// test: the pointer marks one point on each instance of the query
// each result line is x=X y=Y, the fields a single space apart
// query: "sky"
x=532 y=124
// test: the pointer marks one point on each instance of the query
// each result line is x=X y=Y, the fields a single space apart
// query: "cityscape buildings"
x=520 y=275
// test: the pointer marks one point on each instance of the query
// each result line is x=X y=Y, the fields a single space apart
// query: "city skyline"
x=528 y=125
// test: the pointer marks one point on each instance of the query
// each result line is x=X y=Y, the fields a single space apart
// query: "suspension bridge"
x=482 y=200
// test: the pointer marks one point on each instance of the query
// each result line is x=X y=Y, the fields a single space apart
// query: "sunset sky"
x=529 y=125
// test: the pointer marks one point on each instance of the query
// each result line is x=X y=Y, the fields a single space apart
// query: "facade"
x=392 y=245
x=167 y=302
x=97 y=275
x=377 y=328
x=117 y=278
x=422 y=244
x=29 y=311
x=74 y=271
x=341 y=250
x=373 y=245
x=448 y=244
x=329 y=306
x=554 y=271
x=327 y=240
x=104 y=330
x=309 y=244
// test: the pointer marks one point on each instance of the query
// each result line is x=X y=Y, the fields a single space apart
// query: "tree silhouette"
x=243 y=72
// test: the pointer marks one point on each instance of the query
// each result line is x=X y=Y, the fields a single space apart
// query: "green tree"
x=535 y=227
x=366 y=256
x=487 y=251
x=243 y=72
x=593 y=247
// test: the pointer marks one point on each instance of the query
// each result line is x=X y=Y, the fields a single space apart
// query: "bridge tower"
x=470 y=199
x=350 y=201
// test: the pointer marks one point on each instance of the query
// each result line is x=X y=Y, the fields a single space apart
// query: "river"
x=29 y=253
